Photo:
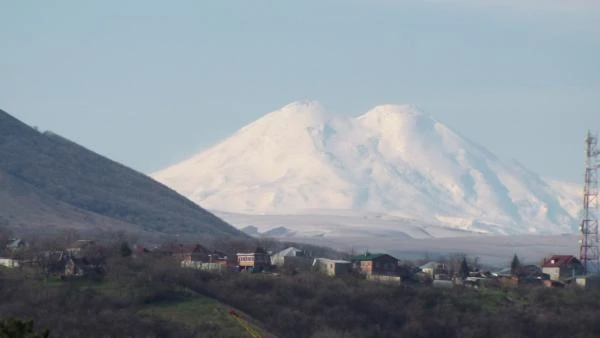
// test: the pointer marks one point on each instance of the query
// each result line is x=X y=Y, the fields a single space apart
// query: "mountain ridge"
x=60 y=183
x=393 y=159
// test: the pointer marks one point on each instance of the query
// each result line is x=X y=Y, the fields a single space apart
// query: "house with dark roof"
x=79 y=246
x=79 y=267
x=185 y=252
x=375 y=264
x=217 y=261
x=255 y=261
x=561 y=267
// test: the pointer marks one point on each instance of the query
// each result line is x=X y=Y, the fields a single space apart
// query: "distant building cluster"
x=87 y=258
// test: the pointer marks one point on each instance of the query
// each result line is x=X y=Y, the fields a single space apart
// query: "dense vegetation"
x=311 y=305
x=51 y=167
x=151 y=297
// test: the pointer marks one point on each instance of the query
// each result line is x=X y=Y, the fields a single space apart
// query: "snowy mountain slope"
x=342 y=225
x=393 y=160
x=570 y=196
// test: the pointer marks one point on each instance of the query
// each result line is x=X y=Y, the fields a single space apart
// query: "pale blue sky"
x=149 y=82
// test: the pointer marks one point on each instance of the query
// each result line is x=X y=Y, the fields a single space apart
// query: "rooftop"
x=327 y=260
x=367 y=256
x=558 y=260
x=81 y=244
x=181 y=248
x=430 y=265
x=15 y=243
x=291 y=251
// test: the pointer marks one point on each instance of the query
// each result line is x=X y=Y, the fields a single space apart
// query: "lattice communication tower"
x=588 y=249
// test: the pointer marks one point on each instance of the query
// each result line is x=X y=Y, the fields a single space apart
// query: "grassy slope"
x=199 y=314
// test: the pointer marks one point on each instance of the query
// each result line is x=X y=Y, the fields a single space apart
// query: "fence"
x=203 y=266
x=385 y=278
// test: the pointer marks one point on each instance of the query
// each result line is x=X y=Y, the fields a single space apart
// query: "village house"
x=561 y=267
x=332 y=267
x=73 y=267
x=256 y=261
x=292 y=258
x=13 y=253
x=9 y=262
x=589 y=281
x=80 y=267
x=529 y=274
x=434 y=269
x=375 y=264
x=51 y=262
x=16 y=244
x=217 y=257
x=185 y=252
x=217 y=261
x=76 y=248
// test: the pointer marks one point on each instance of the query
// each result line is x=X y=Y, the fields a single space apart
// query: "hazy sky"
x=148 y=83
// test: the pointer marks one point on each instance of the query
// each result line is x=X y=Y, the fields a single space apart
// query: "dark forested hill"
x=47 y=181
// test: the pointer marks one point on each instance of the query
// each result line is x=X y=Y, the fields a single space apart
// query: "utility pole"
x=588 y=245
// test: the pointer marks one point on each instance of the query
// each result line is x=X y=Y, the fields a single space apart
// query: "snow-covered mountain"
x=393 y=160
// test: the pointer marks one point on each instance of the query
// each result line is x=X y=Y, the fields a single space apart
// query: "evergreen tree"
x=125 y=249
x=464 y=268
x=515 y=265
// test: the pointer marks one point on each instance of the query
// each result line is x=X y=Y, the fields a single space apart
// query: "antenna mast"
x=588 y=249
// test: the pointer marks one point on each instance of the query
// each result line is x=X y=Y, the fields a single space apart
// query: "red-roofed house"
x=560 y=267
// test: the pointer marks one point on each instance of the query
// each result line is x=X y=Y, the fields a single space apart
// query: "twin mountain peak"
x=394 y=160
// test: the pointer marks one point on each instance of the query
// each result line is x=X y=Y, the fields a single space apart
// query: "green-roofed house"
x=375 y=264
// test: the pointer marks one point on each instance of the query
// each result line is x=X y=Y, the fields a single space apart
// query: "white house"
x=9 y=262
x=432 y=268
x=291 y=257
x=560 y=267
x=332 y=267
